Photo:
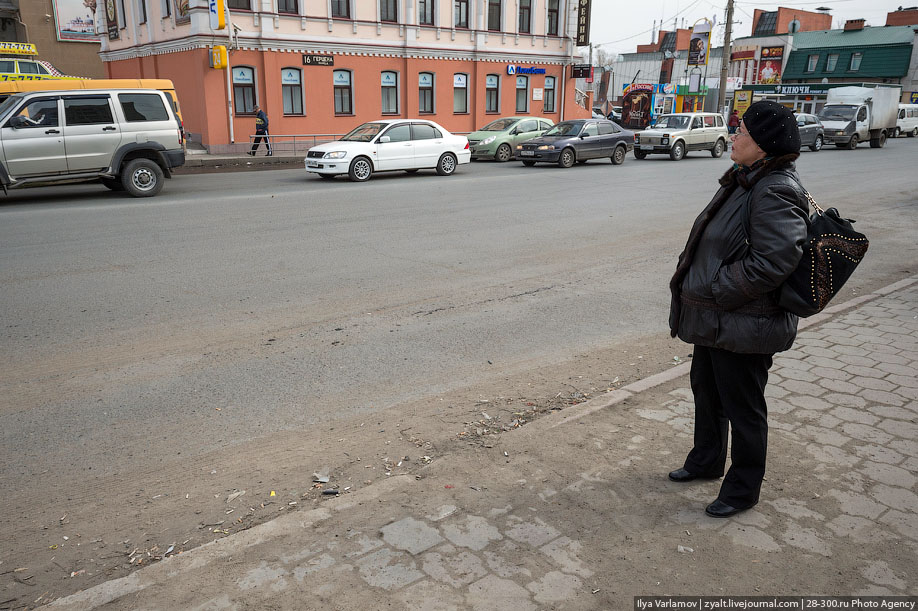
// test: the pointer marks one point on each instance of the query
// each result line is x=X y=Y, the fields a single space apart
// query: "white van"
x=907 y=121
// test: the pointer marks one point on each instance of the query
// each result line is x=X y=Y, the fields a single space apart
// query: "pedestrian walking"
x=261 y=132
x=724 y=301
x=733 y=122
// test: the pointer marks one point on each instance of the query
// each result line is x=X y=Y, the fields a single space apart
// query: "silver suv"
x=678 y=133
x=130 y=139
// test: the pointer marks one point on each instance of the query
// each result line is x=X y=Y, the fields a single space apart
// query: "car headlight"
x=840 y=133
x=664 y=141
x=488 y=140
x=519 y=147
x=335 y=155
x=637 y=139
x=547 y=147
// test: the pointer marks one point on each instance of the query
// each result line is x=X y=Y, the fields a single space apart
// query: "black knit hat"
x=773 y=127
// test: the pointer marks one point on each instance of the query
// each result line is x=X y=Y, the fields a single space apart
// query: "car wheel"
x=113 y=183
x=529 y=163
x=361 y=169
x=852 y=144
x=897 y=132
x=817 y=143
x=142 y=178
x=677 y=152
x=913 y=133
x=326 y=176
x=639 y=154
x=878 y=142
x=447 y=164
x=618 y=155
x=567 y=158
x=718 y=149
x=503 y=153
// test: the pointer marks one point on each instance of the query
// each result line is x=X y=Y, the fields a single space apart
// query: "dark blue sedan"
x=578 y=141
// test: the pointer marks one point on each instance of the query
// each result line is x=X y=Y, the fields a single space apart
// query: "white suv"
x=130 y=139
x=676 y=134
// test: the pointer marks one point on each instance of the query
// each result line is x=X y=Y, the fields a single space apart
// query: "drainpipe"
x=229 y=72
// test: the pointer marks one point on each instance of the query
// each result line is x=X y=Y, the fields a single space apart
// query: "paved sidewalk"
x=574 y=511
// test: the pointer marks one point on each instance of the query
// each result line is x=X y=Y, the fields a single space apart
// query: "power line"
x=612 y=42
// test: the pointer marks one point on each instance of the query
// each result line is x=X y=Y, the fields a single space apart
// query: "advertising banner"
x=182 y=11
x=698 y=45
x=772 y=58
x=742 y=99
x=75 y=20
x=636 y=105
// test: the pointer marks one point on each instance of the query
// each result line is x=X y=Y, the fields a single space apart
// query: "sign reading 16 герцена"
x=318 y=60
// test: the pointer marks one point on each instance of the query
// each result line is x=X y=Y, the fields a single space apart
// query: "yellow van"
x=7 y=88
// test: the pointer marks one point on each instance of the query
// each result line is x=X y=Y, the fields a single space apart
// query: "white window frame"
x=554 y=94
x=465 y=76
x=352 y=98
x=831 y=62
x=497 y=77
x=854 y=66
x=254 y=86
x=302 y=96
x=433 y=93
x=397 y=93
x=517 y=89
x=811 y=62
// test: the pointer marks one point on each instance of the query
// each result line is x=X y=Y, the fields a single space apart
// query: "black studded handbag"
x=832 y=251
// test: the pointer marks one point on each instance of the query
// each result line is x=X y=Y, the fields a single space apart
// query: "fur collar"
x=746 y=177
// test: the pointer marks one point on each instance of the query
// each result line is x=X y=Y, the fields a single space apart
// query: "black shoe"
x=251 y=153
x=719 y=509
x=681 y=475
x=269 y=154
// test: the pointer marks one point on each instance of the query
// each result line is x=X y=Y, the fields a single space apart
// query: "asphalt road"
x=289 y=302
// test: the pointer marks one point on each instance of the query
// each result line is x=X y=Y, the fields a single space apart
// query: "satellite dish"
x=668 y=54
x=793 y=27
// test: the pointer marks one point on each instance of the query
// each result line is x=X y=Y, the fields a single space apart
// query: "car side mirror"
x=384 y=139
x=18 y=121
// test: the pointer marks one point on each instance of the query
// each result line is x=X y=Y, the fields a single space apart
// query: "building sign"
x=217 y=9
x=111 y=19
x=75 y=20
x=581 y=71
x=341 y=78
x=537 y=93
x=290 y=76
x=913 y=97
x=387 y=79
x=513 y=69
x=770 y=63
x=425 y=79
x=17 y=48
x=318 y=60
x=698 y=45
x=243 y=76
x=492 y=81
x=583 y=23
x=460 y=80
x=741 y=101
x=522 y=82
x=636 y=105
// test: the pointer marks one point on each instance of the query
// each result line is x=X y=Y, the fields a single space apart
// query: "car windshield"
x=565 y=129
x=672 y=122
x=837 y=112
x=8 y=103
x=365 y=132
x=499 y=126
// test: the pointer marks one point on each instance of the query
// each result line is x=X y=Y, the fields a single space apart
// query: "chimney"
x=854 y=24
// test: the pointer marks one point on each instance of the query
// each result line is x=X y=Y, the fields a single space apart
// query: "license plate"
x=646 y=147
x=527 y=153
x=312 y=164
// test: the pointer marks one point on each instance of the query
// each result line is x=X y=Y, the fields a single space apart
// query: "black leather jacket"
x=727 y=297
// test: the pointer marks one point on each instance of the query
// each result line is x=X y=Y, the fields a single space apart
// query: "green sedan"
x=498 y=139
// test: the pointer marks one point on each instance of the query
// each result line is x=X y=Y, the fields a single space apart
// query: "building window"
x=292 y=90
x=856 y=62
x=831 y=62
x=461 y=16
x=549 y=94
x=142 y=10
x=811 y=62
x=344 y=104
x=492 y=93
x=244 y=90
x=389 y=83
x=287 y=6
x=525 y=16
x=461 y=93
x=425 y=92
x=522 y=93
x=341 y=8
x=426 y=12
x=494 y=15
x=388 y=10
x=166 y=8
x=239 y=4
x=121 y=13
x=553 y=17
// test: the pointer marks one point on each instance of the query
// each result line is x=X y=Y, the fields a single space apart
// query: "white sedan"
x=395 y=144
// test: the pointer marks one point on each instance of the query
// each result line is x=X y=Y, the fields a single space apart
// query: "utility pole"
x=725 y=59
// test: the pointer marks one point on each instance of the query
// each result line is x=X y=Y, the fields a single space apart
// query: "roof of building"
x=883 y=35
x=890 y=61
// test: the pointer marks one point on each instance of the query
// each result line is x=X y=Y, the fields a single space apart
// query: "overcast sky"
x=624 y=24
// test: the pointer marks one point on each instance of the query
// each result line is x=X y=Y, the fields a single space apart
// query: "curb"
x=168 y=568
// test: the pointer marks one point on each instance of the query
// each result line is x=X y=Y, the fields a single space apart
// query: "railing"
x=292 y=144
x=580 y=98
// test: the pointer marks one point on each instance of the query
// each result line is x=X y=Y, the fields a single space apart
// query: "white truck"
x=855 y=114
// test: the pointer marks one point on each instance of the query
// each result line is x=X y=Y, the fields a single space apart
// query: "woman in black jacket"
x=739 y=251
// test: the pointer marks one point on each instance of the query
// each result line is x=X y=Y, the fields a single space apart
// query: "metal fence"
x=294 y=144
